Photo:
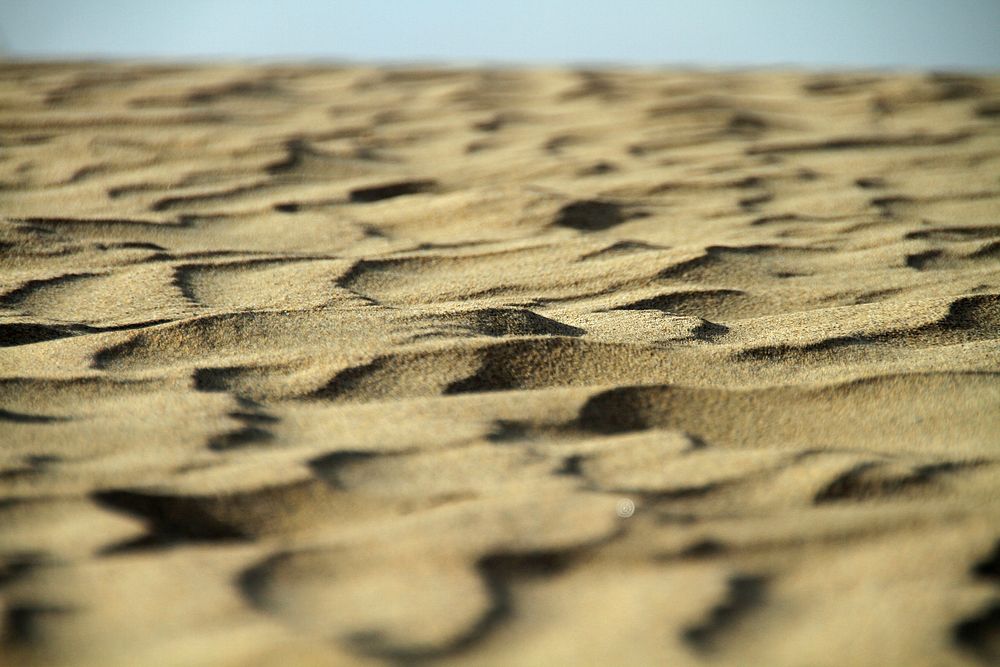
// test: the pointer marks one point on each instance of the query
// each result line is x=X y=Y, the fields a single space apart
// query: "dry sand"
x=323 y=366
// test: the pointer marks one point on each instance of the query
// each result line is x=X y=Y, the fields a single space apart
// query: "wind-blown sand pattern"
x=323 y=366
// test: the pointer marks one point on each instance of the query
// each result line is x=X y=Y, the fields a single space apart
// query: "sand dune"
x=355 y=365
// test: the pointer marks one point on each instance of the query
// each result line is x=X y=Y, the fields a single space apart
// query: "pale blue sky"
x=942 y=34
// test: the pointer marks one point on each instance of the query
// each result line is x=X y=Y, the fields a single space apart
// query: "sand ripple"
x=315 y=365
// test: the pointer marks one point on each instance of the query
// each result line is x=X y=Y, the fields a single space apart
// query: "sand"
x=359 y=365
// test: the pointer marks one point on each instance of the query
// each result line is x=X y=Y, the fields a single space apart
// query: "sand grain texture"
x=336 y=366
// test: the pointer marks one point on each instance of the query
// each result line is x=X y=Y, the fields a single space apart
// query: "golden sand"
x=324 y=366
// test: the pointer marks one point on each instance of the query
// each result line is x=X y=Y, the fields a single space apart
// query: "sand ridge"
x=354 y=365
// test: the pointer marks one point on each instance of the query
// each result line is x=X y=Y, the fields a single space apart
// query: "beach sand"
x=312 y=365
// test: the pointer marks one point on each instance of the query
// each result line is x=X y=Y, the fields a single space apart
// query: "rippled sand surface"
x=336 y=366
